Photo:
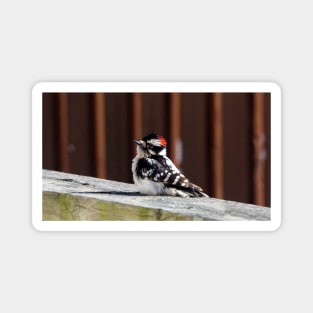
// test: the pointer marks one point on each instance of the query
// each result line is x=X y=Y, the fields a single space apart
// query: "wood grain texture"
x=105 y=195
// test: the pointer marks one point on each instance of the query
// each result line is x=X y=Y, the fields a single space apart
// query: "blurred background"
x=221 y=141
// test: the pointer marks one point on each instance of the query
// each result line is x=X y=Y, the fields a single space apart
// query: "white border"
x=270 y=87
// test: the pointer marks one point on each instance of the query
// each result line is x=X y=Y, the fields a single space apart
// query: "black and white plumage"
x=155 y=174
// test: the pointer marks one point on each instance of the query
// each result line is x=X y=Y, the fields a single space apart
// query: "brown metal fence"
x=221 y=141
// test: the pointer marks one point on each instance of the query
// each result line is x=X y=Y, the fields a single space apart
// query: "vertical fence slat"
x=63 y=132
x=99 y=134
x=217 y=157
x=259 y=148
x=137 y=116
x=174 y=129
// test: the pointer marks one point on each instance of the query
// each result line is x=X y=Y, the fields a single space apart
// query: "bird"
x=155 y=174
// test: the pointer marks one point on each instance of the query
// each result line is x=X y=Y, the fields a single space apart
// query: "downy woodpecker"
x=155 y=174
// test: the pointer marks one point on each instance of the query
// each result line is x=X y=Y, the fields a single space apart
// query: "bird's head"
x=152 y=144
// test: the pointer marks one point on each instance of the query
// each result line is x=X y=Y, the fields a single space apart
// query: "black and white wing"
x=161 y=169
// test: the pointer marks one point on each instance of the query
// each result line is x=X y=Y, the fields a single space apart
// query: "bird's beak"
x=137 y=142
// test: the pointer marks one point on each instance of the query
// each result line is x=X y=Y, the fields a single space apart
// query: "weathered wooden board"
x=75 y=197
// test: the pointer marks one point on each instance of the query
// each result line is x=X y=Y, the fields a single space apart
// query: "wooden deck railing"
x=74 y=197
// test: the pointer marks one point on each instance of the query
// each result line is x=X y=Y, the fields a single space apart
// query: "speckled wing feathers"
x=161 y=169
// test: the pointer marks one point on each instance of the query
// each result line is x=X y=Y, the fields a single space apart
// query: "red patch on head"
x=162 y=140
